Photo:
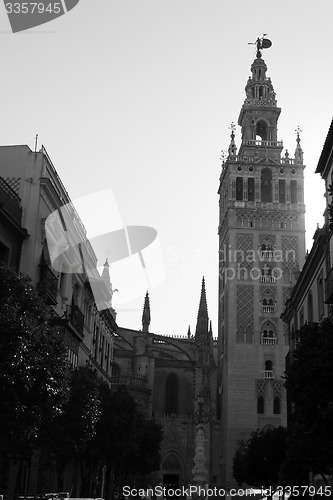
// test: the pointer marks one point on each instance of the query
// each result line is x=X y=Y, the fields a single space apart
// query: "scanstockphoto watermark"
x=161 y=492
x=24 y=15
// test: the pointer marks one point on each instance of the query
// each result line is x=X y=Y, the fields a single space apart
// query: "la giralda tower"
x=261 y=249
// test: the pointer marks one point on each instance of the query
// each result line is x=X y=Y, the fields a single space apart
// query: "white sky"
x=138 y=95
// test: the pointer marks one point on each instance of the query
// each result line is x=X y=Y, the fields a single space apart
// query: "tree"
x=258 y=460
x=33 y=363
x=309 y=381
x=68 y=435
x=125 y=442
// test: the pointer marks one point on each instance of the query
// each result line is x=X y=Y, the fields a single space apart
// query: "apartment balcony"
x=268 y=374
x=329 y=288
x=268 y=341
x=48 y=284
x=76 y=318
x=10 y=201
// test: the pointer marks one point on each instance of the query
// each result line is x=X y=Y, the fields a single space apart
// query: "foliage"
x=258 y=460
x=309 y=381
x=69 y=433
x=33 y=363
x=124 y=441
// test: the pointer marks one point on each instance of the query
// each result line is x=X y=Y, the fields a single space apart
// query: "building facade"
x=262 y=246
x=311 y=299
x=30 y=191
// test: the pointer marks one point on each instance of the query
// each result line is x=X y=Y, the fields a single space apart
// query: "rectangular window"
x=282 y=190
x=239 y=188
x=250 y=189
x=293 y=191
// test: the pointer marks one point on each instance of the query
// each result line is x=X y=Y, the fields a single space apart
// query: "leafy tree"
x=125 y=442
x=33 y=363
x=258 y=460
x=68 y=435
x=309 y=381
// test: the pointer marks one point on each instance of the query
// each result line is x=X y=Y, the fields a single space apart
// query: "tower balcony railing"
x=265 y=144
x=267 y=309
x=268 y=374
x=267 y=254
x=267 y=279
x=269 y=341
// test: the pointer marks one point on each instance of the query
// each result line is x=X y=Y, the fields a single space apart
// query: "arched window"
x=276 y=406
x=262 y=130
x=266 y=185
x=310 y=308
x=269 y=365
x=261 y=405
x=171 y=394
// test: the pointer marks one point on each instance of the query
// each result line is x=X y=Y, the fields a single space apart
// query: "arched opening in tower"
x=261 y=130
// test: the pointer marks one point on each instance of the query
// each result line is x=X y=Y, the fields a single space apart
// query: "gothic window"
x=262 y=130
x=260 y=405
x=171 y=394
x=310 y=307
x=250 y=189
x=293 y=191
x=276 y=405
x=266 y=185
x=282 y=190
x=239 y=188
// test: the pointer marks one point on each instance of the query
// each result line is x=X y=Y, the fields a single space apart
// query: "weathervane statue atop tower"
x=261 y=43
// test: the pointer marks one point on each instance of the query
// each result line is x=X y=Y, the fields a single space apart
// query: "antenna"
x=36 y=141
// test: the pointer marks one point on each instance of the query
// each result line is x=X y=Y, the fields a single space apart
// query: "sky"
x=138 y=97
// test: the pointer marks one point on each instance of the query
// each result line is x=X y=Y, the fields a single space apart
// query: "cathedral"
x=173 y=380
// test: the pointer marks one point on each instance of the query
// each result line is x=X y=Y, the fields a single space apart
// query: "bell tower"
x=261 y=248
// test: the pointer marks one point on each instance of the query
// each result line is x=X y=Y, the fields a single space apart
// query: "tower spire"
x=202 y=321
x=232 y=147
x=298 y=150
x=146 y=314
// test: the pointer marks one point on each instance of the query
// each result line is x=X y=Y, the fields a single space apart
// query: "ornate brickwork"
x=244 y=248
x=277 y=387
x=245 y=307
x=290 y=251
x=260 y=388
